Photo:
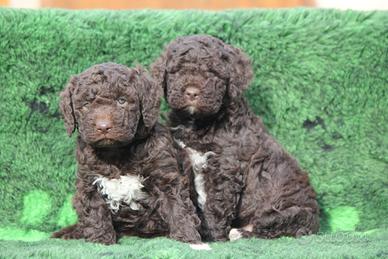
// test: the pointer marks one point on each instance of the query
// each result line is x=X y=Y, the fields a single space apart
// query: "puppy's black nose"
x=192 y=93
x=103 y=125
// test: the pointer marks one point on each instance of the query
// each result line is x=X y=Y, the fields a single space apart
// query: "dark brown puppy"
x=128 y=182
x=243 y=178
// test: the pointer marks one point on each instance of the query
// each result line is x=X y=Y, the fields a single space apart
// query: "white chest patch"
x=198 y=162
x=199 y=184
x=126 y=189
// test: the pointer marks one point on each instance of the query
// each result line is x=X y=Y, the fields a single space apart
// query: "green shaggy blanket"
x=321 y=86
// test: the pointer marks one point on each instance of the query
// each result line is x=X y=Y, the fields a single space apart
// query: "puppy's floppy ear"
x=149 y=94
x=241 y=73
x=66 y=106
x=159 y=71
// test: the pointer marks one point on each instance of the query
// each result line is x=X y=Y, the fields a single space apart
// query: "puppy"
x=246 y=184
x=128 y=181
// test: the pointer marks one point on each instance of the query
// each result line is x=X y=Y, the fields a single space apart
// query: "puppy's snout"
x=192 y=93
x=103 y=125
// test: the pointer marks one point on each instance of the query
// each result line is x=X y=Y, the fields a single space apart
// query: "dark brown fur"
x=135 y=144
x=252 y=180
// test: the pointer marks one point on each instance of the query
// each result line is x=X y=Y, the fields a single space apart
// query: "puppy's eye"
x=121 y=100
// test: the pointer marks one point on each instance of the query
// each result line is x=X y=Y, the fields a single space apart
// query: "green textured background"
x=321 y=86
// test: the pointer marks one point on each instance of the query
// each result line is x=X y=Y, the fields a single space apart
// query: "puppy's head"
x=199 y=73
x=110 y=104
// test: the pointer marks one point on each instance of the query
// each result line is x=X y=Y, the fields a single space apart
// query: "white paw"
x=234 y=234
x=201 y=246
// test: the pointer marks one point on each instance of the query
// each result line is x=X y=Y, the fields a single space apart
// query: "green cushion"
x=330 y=245
x=321 y=86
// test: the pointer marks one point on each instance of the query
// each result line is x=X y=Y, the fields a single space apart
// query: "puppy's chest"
x=230 y=155
x=121 y=185
x=199 y=162
x=127 y=190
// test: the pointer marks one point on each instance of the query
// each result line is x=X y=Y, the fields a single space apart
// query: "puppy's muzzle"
x=104 y=125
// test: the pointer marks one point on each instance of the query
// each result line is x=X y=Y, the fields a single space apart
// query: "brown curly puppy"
x=128 y=181
x=246 y=184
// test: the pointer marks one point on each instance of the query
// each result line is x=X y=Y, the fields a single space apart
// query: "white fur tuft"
x=199 y=184
x=126 y=189
x=199 y=162
x=180 y=143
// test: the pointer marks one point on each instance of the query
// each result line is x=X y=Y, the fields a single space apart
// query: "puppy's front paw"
x=234 y=234
x=71 y=232
x=200 y=246
x=106 y=240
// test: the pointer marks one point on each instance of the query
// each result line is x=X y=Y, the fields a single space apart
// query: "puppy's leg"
x=208 y=186
x=277 y=201
x=222 y=187
x=214 y=228
x=176 y=208
x=94 y=218
x=182 y=221
x=70 y=232
x=220 y=207
x=294 y=221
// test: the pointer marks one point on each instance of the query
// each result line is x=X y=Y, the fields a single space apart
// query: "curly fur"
x=128 y=181
x=252 y=184
x=126 y=190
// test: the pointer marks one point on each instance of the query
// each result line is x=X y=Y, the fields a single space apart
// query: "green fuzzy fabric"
x=335 y=245
x=321 y=86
